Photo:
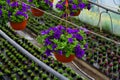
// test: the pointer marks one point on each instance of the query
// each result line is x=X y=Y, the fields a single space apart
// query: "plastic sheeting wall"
x=92 y=16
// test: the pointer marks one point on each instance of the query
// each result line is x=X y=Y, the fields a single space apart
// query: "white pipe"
x=25 y=52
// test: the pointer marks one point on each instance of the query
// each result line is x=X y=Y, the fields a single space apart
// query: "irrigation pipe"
x=25 y=52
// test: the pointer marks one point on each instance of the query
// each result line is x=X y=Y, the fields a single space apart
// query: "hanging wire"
x=110 y=20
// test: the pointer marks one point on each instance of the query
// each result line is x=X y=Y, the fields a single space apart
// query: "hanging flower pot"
x=63 y=58
x=64 y=42
x=37 y=12
x=72 y=7
x=19 y=25
x=52 y=1
x=17 y=14
x=76 y=13
x=13 y=0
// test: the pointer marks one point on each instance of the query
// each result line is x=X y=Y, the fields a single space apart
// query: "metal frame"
x=110 y=20
x=108 y=9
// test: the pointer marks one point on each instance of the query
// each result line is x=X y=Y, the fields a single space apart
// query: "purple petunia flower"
x=24 y=7
x=54 y=46
x=79 y=52
x=64 y=15
x=45 y=32
x=14 y=4
x=60 y=27
x=60 y=52
x=74 y=6
x=70 y=40
x=82 y=5
x=0 y=13
x=84 y=29
x=51 y=4
x=77 y=36
x=8 y=1
x=48 y=52
x=60 y=6
x=48 y=2
x=88 y=6
x=22 y=14
x=47 y=41
x=9 y=13
x=71 y=31
x=57 y=35
x=86 y=46
x=30 y=0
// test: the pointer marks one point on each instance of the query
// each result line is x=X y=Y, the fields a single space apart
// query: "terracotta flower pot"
x=13 y=0
x=37 y=12
x=52 y=1
x=63 y=58
x=19 y=25
x=77 y=13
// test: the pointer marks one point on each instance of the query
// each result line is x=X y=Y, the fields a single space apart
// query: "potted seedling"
x=52 y=65
x=73 y=74
x=68 y=70
x=36 y=78
x=1 y=75
x=36 y=69
x=29 y=72
x=44 y=76
x=60 y=71
x=32 y=75
x=115 y=68
x=92 y=61
x=25 y=68
x=7 y=72
x=40 y=73
x=3 y=12
x=24 y=77
x=20 y=74
x=46 y=61
x=13 y=77
x=78 y=77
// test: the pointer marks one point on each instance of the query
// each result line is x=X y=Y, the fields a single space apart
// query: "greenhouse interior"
x=59 y=39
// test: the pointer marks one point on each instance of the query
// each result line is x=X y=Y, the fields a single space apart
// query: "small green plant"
x=1 y=74
x=36 y=78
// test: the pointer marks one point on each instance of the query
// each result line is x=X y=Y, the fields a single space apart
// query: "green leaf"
x=49 y=47
x=67 y=54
